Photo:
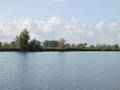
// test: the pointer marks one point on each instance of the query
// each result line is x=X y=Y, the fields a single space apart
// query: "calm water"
x=60 y=71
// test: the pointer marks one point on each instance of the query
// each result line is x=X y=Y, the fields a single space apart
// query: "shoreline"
x=77 y=50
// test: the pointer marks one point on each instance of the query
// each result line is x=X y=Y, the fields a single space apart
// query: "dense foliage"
x=22 y=43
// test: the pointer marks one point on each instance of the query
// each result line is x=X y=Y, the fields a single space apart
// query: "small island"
x=22 y=42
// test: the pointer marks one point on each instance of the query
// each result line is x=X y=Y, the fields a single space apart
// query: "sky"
x=77 y=21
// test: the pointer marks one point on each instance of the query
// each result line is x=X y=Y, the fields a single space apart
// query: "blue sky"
x=88 y=11
x=86 y=15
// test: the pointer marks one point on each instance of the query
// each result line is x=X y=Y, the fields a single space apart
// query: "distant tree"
x=46 y=43
x=81 y=45
x=73 y=46
x=115 y=47
x=91 y=46
x=0 y=44
x=103 y=47
x=34 y=45
x=22 y=43
x=17 y=42
x=109 y=47
x=98 y=46
x=85 y=44
x=6 y=46
x=67 y=45
x=61 y=43
x=13 y=44
x=54 y=44
x=23 y=40
x=50 y=43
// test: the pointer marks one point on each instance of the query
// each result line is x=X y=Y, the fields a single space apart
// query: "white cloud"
x=100 y=26
x=91 y=33
x=75 y=20
x=114 y=26
x=54 y=28
x=51 y=24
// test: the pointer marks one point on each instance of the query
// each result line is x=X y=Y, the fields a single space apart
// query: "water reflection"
x=59 y=71
x=22 y=70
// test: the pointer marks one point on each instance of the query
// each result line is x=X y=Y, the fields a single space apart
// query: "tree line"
x=22 y=42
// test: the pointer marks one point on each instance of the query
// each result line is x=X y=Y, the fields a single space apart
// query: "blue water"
x=60 y=71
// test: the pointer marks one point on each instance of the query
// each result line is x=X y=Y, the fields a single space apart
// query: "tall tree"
x=34 y=45
x=50 y=43
x=46 y=43
x=67 y=45
x=73 y=46
x=81 y=45
x=0 y=43
x=17 y=41
x=23 y=40
x=61 y=43
x=91 y=47
x=115 y=47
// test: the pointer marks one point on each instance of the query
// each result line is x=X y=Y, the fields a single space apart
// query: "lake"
x=60 y=71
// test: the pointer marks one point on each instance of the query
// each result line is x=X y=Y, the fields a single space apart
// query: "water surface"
x=60 y=71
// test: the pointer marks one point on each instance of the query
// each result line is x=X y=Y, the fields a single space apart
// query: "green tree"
x=81 y=45
x=109 y=47
x=98 y=46
x=73 y=46
x=52 y=43
x=61 y=43
x=0 y=44
x=67 y=45
x=103 y=47
x=13 y=44
x=85 y=44
x=17 y=40
x=115 y=47
x=91 y=47
x=34 y=45
x=6 y=46
x=23 y=40
x=46 y=43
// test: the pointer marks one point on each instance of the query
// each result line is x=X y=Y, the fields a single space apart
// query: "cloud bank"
x=55 y=28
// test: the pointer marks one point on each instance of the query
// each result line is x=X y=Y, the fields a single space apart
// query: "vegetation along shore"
x=22 y=42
